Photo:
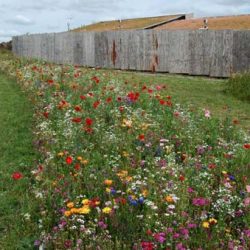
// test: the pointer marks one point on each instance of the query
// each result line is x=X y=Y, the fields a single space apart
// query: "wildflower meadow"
x=122 y=165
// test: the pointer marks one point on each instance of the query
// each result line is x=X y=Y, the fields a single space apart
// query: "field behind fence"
x=201 y=52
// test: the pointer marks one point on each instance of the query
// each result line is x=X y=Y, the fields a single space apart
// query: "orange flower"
x=169 y=199
x=108 y=182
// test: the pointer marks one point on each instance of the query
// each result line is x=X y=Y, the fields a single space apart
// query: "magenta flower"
x=191 y=225
x=160 y=237
x=200 y=201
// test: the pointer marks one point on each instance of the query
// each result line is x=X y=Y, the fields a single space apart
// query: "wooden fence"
x=200 y=52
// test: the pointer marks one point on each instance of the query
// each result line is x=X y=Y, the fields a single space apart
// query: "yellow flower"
x=145 y=192
x=212 y=221
x=60 y=154
x=108 y=182
x=106 y=210
x=70 y=204
x=224 y=172
x=108 y=190
x=85 y=201
x=129 y=178
x=84 y=210
x=67 y=213
x=126 y=123
x=123 y=173
x=125 y=154
x=144 y=126
x=169 y=199
x=205 y=224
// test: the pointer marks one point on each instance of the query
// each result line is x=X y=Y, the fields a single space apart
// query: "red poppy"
x=150 y=91
x=88 y=121
x=182 y=178
x=50 y=81
x=212 y=165
x=246 y=146
x=83 y=97
x=133 y=96
x=69 y=160
x=121 y=108
x=109 y=99
x=119 y=99
x=169 y=103
x=17 y=176
x=141 y=137
x=88 y=130
x=77 y=119
x=96 y=104
x=77 y=167
x=77 y=108
x=46 y=114
x=149 y=232
x=162 y=102
x=96 y=79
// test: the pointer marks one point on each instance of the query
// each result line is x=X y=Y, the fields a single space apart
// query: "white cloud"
x=20 y=20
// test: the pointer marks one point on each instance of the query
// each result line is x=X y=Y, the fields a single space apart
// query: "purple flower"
x=102 y=225
x=37 y=243
x=200 y=150
x=247 y=233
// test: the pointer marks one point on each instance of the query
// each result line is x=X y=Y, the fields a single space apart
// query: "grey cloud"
x=52 y=15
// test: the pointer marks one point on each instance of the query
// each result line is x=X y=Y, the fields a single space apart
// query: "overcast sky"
x=39 y=16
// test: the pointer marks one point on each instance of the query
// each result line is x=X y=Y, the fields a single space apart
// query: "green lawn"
x=16 y=154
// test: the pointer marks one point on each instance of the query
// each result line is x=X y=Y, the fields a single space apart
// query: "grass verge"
x=16 y=154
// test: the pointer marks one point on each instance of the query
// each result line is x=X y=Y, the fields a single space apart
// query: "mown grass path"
x=16 y=154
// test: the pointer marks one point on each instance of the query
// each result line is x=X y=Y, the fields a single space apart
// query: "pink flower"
x=247 y=202
x=248 y=188
x=207 y=113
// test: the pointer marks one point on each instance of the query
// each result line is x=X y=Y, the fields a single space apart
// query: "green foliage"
x=239 y=86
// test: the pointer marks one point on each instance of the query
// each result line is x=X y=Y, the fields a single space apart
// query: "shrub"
x=239 y=86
